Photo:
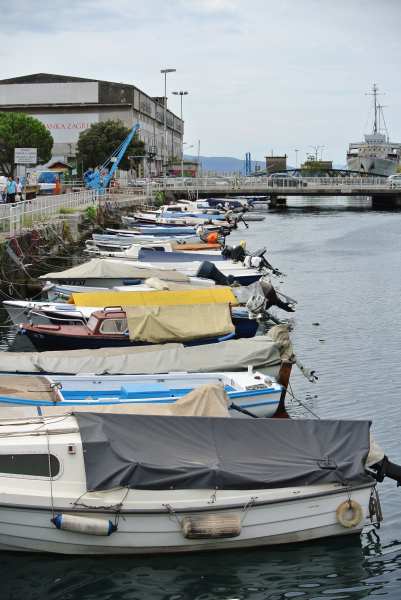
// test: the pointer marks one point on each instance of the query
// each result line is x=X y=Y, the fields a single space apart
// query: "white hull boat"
x=150 y=500
x=132 y=252
x=109 y=273
x=249 y=390
x=55 y=292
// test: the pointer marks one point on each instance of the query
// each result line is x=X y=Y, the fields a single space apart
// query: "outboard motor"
x=208 y=270
x=227 y=252
x=235 y=253
x=260 y=261
x=386 y=468
x=272 y=297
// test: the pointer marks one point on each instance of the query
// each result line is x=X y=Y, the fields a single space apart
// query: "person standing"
x=11 y=190
x=18 y=189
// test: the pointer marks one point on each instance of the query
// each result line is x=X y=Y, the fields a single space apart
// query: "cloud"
x=261 y=74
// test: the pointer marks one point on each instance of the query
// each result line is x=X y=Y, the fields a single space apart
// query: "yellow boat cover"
x=172 y=323
x=213 y=295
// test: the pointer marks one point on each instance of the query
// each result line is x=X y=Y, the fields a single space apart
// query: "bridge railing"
x=248 y=184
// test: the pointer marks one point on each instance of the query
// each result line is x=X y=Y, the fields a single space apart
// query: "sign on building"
x=25 y=156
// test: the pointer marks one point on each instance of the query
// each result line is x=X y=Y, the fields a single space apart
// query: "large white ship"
x=376 y=155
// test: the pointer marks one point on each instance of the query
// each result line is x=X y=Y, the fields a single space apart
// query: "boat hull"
x=373 y=165
x=47 y=341
x=300 y=519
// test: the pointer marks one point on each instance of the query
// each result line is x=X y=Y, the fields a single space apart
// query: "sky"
x=263 y=76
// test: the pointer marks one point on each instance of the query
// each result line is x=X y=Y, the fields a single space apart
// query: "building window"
x=35 y=465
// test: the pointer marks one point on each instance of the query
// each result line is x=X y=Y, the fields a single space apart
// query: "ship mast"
x=375 y=91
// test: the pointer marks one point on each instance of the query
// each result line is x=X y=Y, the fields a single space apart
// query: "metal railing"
x=27 y=214
x=251 y=183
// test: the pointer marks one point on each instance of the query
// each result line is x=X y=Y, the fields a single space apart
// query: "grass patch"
x=67 y=211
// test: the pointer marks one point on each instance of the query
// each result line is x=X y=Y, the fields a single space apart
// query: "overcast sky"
x=262 y=75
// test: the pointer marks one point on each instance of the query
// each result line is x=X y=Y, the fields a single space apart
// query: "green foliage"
x=98 y=142
x=18 y=130
x=91 y=213
x=159 y=199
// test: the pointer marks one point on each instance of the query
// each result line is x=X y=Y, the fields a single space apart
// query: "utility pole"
x=164 y=72
x=316 y=150
x=181 y=93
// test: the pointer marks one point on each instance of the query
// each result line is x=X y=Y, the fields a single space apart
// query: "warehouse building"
x=69 y=105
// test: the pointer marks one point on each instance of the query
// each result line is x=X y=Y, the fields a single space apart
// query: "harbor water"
x=342 y=262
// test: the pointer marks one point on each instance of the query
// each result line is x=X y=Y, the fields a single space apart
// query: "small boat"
x=271 y=353
x=132 y=251
x=167 y=230
x=108 y=272
x=140 y=326
x=94 y=483
x=125 y=237
x=250 y=390
x=82 y=304
x=101 y=273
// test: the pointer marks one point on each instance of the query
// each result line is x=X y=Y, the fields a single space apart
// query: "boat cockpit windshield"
x=92 y=323
x=114 y=326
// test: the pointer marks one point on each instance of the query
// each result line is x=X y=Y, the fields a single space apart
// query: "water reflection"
x=335 y=569
x=331 y=570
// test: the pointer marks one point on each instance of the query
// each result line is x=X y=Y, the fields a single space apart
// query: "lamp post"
x=164 y=72
x=296 y=150
x=181 y=93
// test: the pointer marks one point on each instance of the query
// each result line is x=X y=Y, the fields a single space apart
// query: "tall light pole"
x=181 y=93
x=164 y=72
x=296 y=150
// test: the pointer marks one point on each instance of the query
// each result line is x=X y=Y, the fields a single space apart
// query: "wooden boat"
x=110 y=328
x=109 y=484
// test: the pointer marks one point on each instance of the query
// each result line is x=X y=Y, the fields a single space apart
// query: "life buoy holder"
x=349 y=513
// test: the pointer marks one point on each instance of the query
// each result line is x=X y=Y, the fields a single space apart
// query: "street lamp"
x=164 y=72
x=296 y=150
x=181 y=93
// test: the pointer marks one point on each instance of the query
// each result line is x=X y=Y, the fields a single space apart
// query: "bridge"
x=377 y=188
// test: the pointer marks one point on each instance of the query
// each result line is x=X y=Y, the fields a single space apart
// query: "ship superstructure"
x=376 y=155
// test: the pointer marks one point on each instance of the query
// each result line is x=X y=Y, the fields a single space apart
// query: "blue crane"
x=99 y=179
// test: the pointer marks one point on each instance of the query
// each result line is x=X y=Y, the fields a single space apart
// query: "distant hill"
x=224 y=164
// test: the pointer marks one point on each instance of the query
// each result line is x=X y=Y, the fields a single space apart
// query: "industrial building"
x=276 y=164
x=69 y=105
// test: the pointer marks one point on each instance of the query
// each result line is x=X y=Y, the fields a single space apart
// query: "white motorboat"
x=142 y=484
x=132 y=252
x=108 y=272
x=60 y=292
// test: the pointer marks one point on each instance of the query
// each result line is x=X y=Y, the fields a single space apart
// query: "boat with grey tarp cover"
x=95 y=483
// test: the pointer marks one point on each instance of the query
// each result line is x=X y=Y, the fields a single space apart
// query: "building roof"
x=44 y=78
x=54 y=78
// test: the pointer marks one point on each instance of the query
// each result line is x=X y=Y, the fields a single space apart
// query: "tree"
x=18 y=130
x=98 y=142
